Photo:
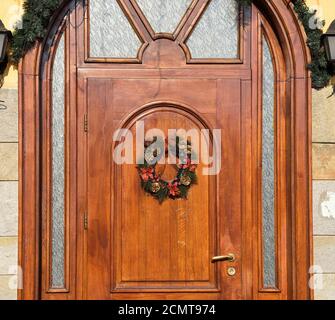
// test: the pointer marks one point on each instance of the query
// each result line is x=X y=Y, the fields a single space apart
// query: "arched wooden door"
x=201 y=65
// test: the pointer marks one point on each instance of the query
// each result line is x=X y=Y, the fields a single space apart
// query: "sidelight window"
x=58 y=168
x=268 y=169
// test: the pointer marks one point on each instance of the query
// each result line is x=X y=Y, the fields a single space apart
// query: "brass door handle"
x=230 y=258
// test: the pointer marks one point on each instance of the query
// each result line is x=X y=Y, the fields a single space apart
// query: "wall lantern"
x=329 y=43
x=5 y=36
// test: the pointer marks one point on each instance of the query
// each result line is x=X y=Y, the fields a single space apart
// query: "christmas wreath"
x=152 y=182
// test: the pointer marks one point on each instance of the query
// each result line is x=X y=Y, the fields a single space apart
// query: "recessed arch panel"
x=179 y=224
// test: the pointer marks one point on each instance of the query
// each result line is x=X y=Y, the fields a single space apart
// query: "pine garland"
x=35 y=21
x=321 y=74
x=37 y=15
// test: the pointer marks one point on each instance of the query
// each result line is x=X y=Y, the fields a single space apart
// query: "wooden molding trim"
x=29 y=183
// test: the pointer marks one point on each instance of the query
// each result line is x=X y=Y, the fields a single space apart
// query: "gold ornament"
x=185 y=180
x=155 y=187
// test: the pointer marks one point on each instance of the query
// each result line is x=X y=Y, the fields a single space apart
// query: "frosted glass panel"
x=164 y=15
x=58 y=167
x=111 y=34
x=268 y=170
x=217 y=33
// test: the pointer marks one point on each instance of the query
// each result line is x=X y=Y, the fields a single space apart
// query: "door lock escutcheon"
x=231 y=271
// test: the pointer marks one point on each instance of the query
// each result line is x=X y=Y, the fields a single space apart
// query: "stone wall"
x=8 y=191
x=10 y=13
x=324 y=193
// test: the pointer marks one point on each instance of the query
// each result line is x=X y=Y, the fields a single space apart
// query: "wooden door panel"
x=183 y=90
x=134 y=244
x=99 y=203
x=182 y=248
x=231 y=123
x=142 y=92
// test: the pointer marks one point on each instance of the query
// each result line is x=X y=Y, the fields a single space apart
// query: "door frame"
x=293 y=40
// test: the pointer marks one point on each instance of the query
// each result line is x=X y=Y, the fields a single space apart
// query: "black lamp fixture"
x=5 y=36
x=329 y=43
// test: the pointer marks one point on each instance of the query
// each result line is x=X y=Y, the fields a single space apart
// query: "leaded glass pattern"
x=164 y=15
x=216 y=36
x=268 y=169
x=58 y=166
x=111 y=34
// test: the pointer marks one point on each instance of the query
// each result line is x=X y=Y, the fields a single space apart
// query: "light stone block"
x=323 y=115
x=324 y=253
x=324 y=161
x=323 y=207
x=8 y=115
x=8 y=208
x=324 y=287
x=7 y=288
x=8 y=161
x=8 y=255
